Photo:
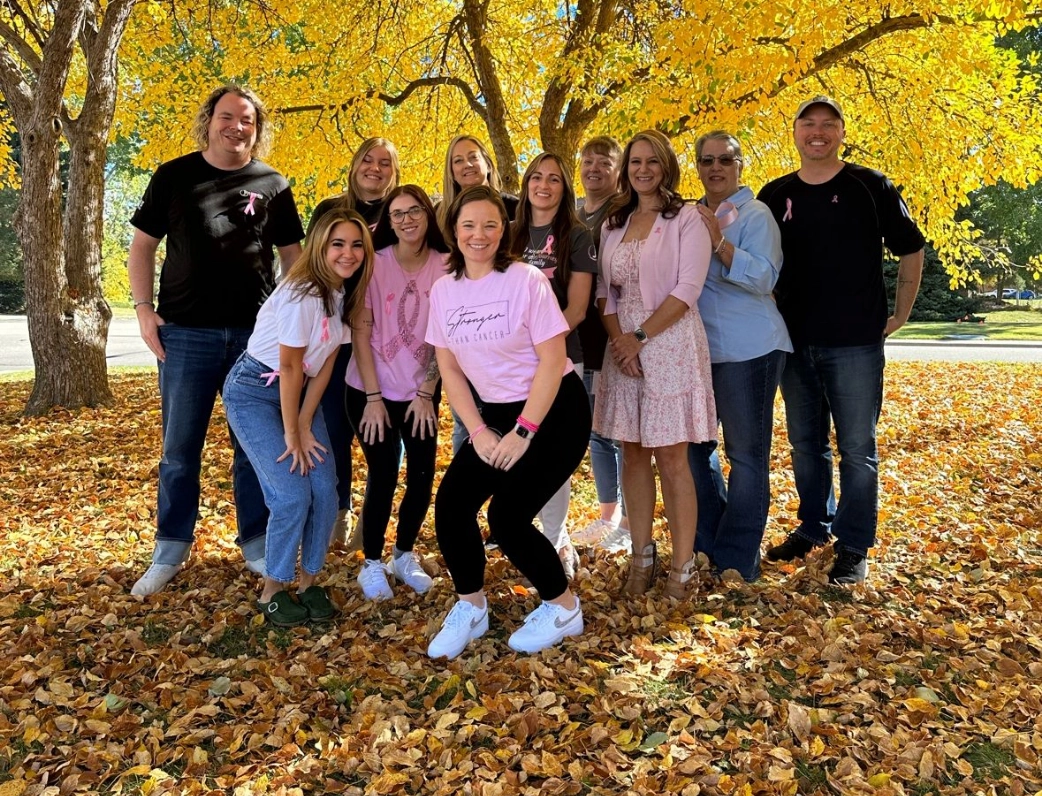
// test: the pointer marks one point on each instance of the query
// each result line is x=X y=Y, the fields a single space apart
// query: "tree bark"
x=67 y=312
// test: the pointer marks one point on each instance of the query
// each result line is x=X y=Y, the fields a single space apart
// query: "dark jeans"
x=731 y=519
x=843 y=385
x=384 y=461
x=517 y=494
x=191 y=378
x=341 y=434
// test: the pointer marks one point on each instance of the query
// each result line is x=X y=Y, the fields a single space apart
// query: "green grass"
x=1011 y=324
x=990 y=762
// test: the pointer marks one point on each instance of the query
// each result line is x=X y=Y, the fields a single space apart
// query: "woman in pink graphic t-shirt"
x=497 y=329
x=393 y=388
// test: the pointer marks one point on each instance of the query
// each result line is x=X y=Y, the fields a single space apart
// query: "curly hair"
x=203 y=117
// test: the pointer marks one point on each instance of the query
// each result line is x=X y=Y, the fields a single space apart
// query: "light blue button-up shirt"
x=741 y=319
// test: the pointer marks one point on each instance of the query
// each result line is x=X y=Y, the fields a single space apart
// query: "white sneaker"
x=257 y=567
x=617 y=540
x=547 y=625
x=373 y=580
x=408 y=570
x=464 y=623
x=155 y=578
x=594 y=532
x=569 y=559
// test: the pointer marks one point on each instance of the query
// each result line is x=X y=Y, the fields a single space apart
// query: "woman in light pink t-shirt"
x=497 y=328
x=393 y=388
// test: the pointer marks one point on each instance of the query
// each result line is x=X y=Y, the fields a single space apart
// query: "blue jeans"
x=731 y=519
x=197 y=361
x=303 y=507
x=843 y=385
x=605 y=457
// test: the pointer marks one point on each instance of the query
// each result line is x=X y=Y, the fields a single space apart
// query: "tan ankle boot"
x=643 y=568
x=682 y=581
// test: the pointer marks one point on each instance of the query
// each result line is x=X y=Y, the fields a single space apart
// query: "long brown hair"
x=311 y=275
x=565 y=219
x=626 y=202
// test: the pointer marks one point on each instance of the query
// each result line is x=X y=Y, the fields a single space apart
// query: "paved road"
x=126 y=348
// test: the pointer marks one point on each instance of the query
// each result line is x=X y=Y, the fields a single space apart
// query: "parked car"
x=1026 y=294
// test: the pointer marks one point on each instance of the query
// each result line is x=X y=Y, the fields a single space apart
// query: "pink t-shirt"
x=296 y=321
x=400 y=303
x=492 y=326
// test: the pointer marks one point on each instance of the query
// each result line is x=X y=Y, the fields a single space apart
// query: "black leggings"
x=384 y=461
x=517 y=494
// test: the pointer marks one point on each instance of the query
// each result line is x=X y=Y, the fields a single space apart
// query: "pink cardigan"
x=673 y=262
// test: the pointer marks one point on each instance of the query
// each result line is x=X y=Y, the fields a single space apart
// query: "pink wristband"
x=477 y=431
x=528 y=424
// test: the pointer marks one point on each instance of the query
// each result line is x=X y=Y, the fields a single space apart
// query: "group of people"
x=633 y=322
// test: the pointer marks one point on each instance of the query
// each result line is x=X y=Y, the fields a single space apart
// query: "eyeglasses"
x=723 y=160
x=415 y=213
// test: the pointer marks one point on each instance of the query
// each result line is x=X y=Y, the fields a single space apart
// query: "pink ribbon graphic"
x=788 y=210
x=549 y=247
x=249 y=207
x=325 y=330
x=406 y=337
x=726 y=214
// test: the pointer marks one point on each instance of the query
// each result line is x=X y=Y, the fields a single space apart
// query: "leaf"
x=220 y=686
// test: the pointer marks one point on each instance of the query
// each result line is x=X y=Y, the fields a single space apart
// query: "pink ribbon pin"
x=250 y=211
x=788 y=210
x=726 y=214
x=270 y=376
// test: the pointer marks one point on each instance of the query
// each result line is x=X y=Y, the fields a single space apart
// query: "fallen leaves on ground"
x=926 y=680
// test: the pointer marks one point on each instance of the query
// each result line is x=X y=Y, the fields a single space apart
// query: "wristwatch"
x=641 y=335
x=522 y=432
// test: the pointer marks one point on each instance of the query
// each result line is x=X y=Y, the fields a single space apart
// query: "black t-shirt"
x=220 y=228
x=592 y=334
x=370 y=211
x=541 y=251
x=831 y=290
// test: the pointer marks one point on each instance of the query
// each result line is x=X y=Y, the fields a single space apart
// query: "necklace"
x=541 y=246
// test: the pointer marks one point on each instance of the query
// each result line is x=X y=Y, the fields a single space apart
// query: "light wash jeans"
x=605 y=457
x=302 y=508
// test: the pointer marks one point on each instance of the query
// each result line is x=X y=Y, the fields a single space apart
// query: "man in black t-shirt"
x=222 y=212
x=835 y=218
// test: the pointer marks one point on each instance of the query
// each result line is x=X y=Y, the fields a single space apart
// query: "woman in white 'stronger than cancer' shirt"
x=498 y=325
x=271 y=398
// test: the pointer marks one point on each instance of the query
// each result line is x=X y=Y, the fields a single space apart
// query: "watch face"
x=640 y=334
x=521 y=431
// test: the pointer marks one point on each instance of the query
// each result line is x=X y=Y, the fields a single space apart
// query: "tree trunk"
x=68 y=318
x=67 y=312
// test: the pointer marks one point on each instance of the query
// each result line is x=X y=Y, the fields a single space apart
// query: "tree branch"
x=395 y=99
x=24 y=50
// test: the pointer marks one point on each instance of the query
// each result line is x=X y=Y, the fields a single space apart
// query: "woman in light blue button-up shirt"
x=747 y=344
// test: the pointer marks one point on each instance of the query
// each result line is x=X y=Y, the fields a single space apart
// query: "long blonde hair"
x=451 y=188
x=311 y=275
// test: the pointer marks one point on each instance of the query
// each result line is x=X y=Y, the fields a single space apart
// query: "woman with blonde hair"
x=468 y=162
x=656 y=392
x=271 y=398
x=375 y=172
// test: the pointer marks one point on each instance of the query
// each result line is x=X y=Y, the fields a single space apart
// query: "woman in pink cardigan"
x=656 y=392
